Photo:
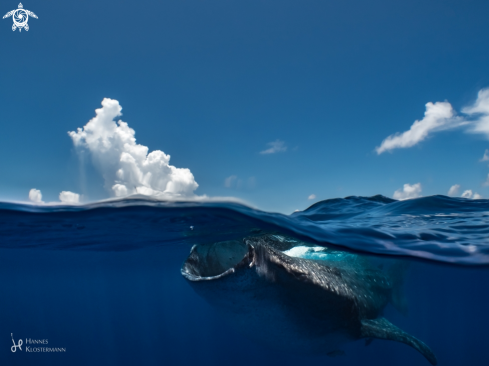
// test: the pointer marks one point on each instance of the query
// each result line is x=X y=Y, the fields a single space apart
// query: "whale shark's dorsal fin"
x=381 y=328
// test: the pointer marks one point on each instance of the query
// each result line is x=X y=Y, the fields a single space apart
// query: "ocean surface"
x=102 y=281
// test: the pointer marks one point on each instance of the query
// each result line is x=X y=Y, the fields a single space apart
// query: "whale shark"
x=294 y=296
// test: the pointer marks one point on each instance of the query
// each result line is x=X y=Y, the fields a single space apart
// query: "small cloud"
x=486 y=156
x=275 y=147
x=453 y=191
x=234 y=182
x=35 y=195
x=408 y=191
x=467 y=194
x=311 y=197
x=486 y=183
x=229 y=181
x=69 y=197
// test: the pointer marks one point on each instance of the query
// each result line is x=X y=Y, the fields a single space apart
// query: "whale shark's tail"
x=381 y=328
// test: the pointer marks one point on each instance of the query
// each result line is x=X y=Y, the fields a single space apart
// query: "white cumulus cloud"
x=69 y=197
x=438 y=116
x=453 y=191
x=127 y=167
x=467 y=194
x=35 y=195
x=441 y=116
x=480 y=112
x=408 y=191
x=275 y=147
x=311 y=197
x=477 y=196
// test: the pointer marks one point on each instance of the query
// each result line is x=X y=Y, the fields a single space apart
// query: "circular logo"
x=20 y=17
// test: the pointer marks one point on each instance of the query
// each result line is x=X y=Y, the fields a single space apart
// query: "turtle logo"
x=20 y=17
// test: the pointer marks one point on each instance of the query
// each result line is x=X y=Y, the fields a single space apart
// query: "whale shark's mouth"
x=213 y=261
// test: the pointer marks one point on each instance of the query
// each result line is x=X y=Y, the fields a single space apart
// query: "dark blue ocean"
x=103 y=282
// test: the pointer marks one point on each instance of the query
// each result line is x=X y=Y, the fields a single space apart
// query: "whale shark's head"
x=214 y=261
x=265 y=295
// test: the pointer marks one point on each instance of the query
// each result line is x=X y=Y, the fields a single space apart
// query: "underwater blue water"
x=103 y=280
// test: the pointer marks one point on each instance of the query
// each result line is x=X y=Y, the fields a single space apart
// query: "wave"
x=435 y=228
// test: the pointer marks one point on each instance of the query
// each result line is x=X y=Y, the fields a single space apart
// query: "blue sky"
x=214 y=83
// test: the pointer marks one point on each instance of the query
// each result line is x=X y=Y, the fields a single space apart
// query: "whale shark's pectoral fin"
x=381 y=328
